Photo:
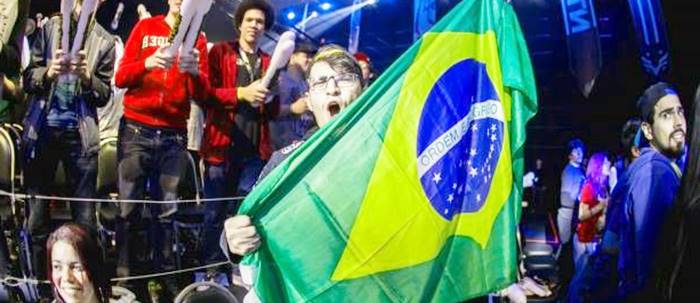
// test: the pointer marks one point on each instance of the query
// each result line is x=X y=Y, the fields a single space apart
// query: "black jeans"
x=145 y=153
x=81 y=175
x=225 y=180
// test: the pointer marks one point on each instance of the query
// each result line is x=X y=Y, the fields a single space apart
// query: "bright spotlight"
x=291 y=16
x=326 y=6
x=314 y=14
x=370 y=2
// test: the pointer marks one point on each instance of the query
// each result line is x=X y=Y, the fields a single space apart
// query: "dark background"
x=564 y=113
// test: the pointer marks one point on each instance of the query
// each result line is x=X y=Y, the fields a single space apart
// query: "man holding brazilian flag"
x=412 y=194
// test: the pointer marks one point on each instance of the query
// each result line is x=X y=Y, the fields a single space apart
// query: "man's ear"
x=307 y=99
x=636 y=152
x=646 y=129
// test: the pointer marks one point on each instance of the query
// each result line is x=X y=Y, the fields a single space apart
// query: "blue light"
x=291 y=16
x=326 y=6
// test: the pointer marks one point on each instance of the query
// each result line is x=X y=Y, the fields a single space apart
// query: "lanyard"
x=248 y=66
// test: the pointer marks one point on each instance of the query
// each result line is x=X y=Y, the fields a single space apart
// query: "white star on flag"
x=493 y=137
x=472 y=152
x=474 y=128
x=450 y=198
x=493 y=127
x=473 y=172
x=436 y=178
x=478 y=197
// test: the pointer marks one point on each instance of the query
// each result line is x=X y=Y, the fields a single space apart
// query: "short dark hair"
x=339 y=60
x=574 y=144
x=629 y=132
x=247 y=5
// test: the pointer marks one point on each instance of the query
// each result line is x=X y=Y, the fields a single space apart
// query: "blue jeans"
x=81 y=176
x=146 y=153
x=225 y=180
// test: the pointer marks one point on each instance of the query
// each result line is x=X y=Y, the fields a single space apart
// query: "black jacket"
x=99 y=45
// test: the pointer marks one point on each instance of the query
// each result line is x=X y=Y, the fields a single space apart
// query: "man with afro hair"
x=236 y=141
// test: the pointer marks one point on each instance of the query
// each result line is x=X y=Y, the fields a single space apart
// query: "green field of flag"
x=411 y=194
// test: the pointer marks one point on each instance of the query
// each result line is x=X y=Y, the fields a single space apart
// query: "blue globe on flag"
x=460 y=136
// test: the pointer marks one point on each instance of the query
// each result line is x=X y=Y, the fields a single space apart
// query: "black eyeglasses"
x=342 y=80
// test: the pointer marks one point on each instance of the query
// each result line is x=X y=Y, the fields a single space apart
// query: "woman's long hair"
x=594 y=170
x=84 y=241
x=676 y=231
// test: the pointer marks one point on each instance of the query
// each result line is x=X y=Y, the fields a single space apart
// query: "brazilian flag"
x=412 y=194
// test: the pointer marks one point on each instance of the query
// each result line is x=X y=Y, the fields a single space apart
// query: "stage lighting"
x=326 y=6
x=314 y=14
x=371 y=2
x=291 y=16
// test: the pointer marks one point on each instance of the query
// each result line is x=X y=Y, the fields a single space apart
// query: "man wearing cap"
x=600 y=284
x=292 y=123
x=236 y=140
x=650 y=187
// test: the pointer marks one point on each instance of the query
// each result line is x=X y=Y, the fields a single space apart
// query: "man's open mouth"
x=678 y=135
x=333 y=108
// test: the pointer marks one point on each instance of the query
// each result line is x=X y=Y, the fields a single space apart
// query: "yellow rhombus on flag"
x=395 y=209
x=409 y=194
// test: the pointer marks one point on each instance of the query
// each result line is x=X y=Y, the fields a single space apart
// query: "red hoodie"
x=158 y=98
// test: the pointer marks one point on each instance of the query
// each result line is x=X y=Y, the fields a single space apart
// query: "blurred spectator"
x=109 y=115
x=293 y=121
x=12 y=32
x=591 y=210
x=365 y=62
x=571 y=180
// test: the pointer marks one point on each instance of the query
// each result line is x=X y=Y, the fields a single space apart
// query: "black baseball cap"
x=651 y=96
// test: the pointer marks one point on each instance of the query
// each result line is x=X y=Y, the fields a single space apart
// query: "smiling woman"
x=74 y=263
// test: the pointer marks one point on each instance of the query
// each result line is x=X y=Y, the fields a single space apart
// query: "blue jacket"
x=648 y=194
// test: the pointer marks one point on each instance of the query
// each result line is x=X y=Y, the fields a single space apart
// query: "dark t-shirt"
x=62 y=113
x=246 y=133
